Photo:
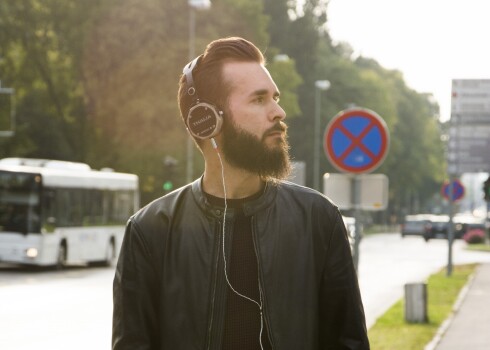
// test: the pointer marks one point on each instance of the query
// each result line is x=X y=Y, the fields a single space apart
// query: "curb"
x=447 y=322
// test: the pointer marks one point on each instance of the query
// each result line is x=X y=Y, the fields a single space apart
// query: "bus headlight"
x=31 y=253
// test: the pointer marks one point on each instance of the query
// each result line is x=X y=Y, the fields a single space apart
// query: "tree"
x=96 y=81
x=297 y=30
x=415 y=160
x=132 y=62
x=40 y=46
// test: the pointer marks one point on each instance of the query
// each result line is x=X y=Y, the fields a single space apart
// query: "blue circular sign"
x=458 y=190
x=356 y=140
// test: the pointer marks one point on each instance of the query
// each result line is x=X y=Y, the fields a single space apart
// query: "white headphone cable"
x=215 y=146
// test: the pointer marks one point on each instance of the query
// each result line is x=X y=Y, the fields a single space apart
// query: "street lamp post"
x=320 y=85
x=193 y=6
x=7 y=111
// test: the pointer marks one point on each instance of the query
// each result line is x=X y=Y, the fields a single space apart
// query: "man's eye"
x=259 y=99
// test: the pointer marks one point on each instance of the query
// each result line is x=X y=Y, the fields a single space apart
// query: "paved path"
x=470 y=325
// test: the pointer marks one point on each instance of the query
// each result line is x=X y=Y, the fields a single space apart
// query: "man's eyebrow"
x=262 y=92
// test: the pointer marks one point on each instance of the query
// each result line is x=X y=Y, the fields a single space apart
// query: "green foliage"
x=132 y=62
x=283 y=71
x=479 y=247
x=96 y=81
x=415 y=162
x=39 y=54
x=243 y=18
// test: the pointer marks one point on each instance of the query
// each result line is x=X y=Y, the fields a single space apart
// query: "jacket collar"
x=249 y=208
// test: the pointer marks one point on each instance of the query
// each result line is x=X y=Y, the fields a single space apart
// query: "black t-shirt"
x=242 y=317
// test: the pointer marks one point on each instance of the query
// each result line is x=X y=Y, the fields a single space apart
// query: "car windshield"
x=19 y=202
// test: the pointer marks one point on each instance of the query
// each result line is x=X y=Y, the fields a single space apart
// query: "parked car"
x=465 y=222
x=462 y=223
x=416 y=225
x=438 y=227
x=427 y=226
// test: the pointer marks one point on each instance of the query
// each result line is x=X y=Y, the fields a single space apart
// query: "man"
x=238 y=259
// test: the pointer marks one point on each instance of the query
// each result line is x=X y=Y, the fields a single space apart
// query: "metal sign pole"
x=450 y=228
x=356 y=190
x=7 y=111
x=487 y=223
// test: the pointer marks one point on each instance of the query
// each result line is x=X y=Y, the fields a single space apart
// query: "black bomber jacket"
x=170 y=290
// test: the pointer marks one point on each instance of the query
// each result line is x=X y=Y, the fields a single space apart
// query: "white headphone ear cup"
x=204 y=121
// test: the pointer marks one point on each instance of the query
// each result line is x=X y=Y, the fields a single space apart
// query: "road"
x=42 y=309
x=56 y=310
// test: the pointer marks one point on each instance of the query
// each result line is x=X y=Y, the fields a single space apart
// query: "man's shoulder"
x=287 y=188
x=306 y=201
x=161 y=208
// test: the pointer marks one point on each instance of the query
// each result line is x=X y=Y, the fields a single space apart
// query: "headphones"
x=204 y=120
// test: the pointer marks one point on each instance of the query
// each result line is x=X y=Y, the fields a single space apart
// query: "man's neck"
x=239 y=183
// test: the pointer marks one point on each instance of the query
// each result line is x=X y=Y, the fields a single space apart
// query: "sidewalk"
x=469 y=327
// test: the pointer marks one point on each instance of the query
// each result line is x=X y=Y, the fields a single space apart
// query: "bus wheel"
x=61 y=260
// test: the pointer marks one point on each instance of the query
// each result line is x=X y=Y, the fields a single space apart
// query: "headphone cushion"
x=204 y=121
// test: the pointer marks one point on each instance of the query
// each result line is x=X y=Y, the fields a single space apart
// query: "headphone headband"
x=187 y=71
x=204 y=120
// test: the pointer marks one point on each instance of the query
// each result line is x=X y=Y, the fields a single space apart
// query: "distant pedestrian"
x=239 y=259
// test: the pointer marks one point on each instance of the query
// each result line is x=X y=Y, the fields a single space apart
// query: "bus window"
x=123 y=206
x=76 y=207
x=94 y=206
x=49 y=213
x=14 y=219
x=62 y=207
x=69 y=207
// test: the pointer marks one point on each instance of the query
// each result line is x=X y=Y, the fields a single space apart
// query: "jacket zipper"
x=261 y=293
x=211 y=319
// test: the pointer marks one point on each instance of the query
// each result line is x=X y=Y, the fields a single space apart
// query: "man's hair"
x=207 y=75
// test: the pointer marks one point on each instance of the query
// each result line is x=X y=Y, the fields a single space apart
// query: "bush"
x=474 y=236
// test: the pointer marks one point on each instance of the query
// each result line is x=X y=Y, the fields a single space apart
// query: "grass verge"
x=392 y=332
x=479 y=247
x=373 y=229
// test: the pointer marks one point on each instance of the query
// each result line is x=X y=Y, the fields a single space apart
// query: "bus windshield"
x=19 y=202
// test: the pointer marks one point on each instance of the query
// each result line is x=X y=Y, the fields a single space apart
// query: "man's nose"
x=278 y=114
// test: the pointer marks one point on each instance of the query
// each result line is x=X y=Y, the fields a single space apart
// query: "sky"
x=430 y=41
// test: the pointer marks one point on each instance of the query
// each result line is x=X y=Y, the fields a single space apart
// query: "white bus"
x=59 y=213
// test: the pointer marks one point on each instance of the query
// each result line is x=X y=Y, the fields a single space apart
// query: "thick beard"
x=245 y=151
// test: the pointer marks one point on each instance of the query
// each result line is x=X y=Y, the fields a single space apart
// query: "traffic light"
x=168 y=186
x=486 y=190
x=169 y=165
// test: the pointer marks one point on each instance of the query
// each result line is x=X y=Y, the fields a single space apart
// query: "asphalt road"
x=71 y=309
x=56 y=310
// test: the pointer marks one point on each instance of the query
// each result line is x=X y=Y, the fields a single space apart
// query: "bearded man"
x=239 y=259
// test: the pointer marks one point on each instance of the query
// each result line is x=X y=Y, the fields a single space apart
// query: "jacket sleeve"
x=134 y=323
x=342 y=320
